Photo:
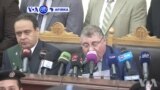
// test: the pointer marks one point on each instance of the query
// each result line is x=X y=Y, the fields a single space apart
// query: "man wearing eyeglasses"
x=94 y=42
x=92 y=39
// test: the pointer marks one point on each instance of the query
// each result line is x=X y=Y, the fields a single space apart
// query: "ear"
x=104 y=41
x=37 y=29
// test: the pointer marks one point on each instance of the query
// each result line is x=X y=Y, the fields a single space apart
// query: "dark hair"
x=28 y=16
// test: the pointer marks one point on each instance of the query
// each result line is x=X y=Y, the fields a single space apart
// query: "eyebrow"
x=24 y=30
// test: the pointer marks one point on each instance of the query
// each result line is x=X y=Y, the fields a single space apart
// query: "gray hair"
x=90 y=30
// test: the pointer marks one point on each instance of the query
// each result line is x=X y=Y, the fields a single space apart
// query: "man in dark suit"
x=153 y=18
x=27 y=34
x=72 y=20
x=93 y=40
x=8 y=12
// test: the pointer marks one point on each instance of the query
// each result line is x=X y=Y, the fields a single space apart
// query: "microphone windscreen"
x=92 y=56
x=145 y=57
x=43 y=53
x=26 y=53
x=112 y=59
x=48 y=56
x=75 y=61
x=65 y=57
x=125 y=56
x=123 y=50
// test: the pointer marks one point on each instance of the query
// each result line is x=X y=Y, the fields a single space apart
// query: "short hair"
x=28 y=16
x=90 y=30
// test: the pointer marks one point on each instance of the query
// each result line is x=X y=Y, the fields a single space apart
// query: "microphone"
x=145 y=58
x=63 y=59
x=46 y=63
x=42 y=54
x=113 y=63
x=26 y=54
x=70 y=72
x=75 y=62
x=91 y=58
x=126 y=57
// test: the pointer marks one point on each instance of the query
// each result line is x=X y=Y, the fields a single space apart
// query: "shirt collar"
x=33 y=48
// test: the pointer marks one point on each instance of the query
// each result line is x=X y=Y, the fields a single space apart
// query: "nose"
x=91 y=48
x=23 y=36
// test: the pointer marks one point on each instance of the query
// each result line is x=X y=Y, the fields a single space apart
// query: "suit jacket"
x=127 y=15
x=153 y=18
x=34 y=61
x=120 y=68
x=8 y=12
x=73 y=20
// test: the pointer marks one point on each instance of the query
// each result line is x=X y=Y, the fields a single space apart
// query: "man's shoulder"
x=112 y=49
x=49 y=46
x=13 y=47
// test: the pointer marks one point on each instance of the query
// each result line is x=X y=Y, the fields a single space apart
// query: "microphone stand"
x=75 y=69
x=70 y=72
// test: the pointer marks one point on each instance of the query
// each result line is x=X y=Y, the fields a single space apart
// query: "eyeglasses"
x=93 y=44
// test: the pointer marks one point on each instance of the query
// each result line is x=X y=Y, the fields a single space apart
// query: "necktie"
x=107 y=15
x=40 y=16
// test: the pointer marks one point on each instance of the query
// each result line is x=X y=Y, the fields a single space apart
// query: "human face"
x=26 y=34
x=96 y=43
x=9 y=85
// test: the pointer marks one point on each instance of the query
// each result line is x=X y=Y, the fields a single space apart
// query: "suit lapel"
x=55 y=3
x=35 y=60
x=35 y=2
x=117 y=8
x=98 y=10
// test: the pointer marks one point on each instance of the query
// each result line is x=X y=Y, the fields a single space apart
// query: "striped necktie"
x=107 y=15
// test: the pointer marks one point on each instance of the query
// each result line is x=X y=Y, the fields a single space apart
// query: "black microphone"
x=91 y=58
x=42 y=56
x=75 y=62
x=145 y=58
x=113 y=63
x=63 y=59
x=26 y=54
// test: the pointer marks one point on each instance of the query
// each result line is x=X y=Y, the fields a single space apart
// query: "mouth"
x=24 y=44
